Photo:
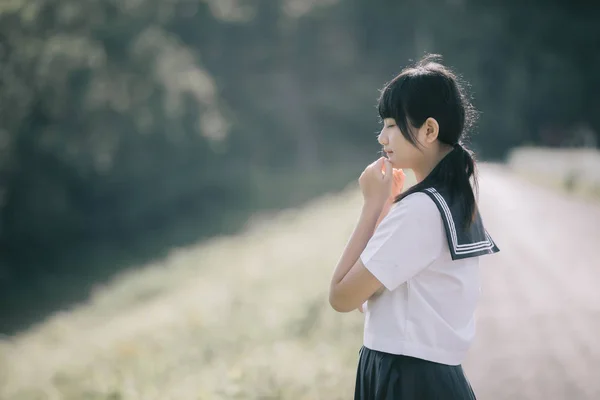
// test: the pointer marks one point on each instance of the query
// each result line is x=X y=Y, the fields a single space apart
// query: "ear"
x=431 y=130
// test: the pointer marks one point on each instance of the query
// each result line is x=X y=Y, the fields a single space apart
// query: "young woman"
x=412 y=261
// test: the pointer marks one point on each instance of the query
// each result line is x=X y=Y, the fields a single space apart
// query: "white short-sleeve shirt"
x=427 y=310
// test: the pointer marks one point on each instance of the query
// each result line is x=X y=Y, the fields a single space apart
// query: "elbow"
x=335 y=306
x=338 y=305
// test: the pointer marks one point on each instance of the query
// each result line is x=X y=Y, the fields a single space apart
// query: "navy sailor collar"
x=464 y=242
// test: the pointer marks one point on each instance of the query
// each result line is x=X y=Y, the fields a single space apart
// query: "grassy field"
x=246 y=316
x=238 y=317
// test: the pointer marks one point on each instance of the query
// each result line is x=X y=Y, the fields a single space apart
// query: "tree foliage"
x=118 y=116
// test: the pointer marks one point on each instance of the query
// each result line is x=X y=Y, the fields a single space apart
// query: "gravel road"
x=538 y=332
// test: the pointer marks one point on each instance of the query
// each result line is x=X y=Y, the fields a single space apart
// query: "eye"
x=390 y=125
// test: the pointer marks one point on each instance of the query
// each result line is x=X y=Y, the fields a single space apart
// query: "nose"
x=381 y=138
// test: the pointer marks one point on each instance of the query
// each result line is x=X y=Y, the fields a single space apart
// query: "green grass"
x=69 y=278
x=244 y=316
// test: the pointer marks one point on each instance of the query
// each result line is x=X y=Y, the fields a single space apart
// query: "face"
x=400 y=152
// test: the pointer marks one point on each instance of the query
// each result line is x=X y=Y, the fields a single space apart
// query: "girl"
x=413 y=257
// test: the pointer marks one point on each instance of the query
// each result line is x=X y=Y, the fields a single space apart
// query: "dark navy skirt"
x=384 y=376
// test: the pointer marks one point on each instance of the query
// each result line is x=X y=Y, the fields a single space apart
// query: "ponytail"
x=454 y=172
x=466 y=164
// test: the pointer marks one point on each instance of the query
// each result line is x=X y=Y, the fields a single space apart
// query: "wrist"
x=373 y=208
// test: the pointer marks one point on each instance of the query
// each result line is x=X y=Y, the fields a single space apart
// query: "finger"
x=399 y=175
x=378 y=165
x=388 y=173
x=371 y=164
x=374 y=165
x=377 y=161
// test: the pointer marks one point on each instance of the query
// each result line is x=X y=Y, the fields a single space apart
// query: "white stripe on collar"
x=468 y=248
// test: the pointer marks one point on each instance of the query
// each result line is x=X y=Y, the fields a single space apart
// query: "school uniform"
x=417 y=332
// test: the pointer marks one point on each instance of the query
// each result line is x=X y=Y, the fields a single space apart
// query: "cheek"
x=405 y=153
x=401 y=145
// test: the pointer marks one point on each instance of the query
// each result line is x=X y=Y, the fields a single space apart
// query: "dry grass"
x=242 y=317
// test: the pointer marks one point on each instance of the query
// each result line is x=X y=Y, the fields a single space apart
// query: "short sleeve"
x=406 y=241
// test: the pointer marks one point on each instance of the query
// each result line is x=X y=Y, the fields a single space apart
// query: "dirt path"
x=539 y=318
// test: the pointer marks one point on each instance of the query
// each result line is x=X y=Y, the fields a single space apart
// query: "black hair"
x=430 y=89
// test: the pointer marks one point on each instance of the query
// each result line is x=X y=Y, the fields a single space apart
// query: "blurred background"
x=138 y=138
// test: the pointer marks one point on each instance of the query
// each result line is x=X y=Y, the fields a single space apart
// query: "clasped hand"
x=380 y=183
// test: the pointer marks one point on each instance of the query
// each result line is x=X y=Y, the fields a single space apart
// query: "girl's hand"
x=398 y=184
x=397 y=187
x=376 y=186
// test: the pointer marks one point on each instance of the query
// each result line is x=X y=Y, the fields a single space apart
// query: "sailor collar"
x=463 y=241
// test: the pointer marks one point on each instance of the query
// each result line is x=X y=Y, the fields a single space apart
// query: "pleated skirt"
x=383 y=376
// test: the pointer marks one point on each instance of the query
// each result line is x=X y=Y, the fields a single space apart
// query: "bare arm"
x=384 y=212
x=352 y=284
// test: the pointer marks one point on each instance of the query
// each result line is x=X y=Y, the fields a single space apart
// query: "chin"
x=395 y=164
x=399 y=165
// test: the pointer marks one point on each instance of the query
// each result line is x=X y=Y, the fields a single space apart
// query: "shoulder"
x=417 y=210
x=419 y=203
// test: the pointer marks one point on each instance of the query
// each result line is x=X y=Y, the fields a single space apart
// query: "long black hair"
x=430 y=89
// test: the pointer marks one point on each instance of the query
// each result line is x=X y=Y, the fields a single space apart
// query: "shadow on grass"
x=29 y=301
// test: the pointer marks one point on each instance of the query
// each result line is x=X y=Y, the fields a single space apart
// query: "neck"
x=429 y=163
